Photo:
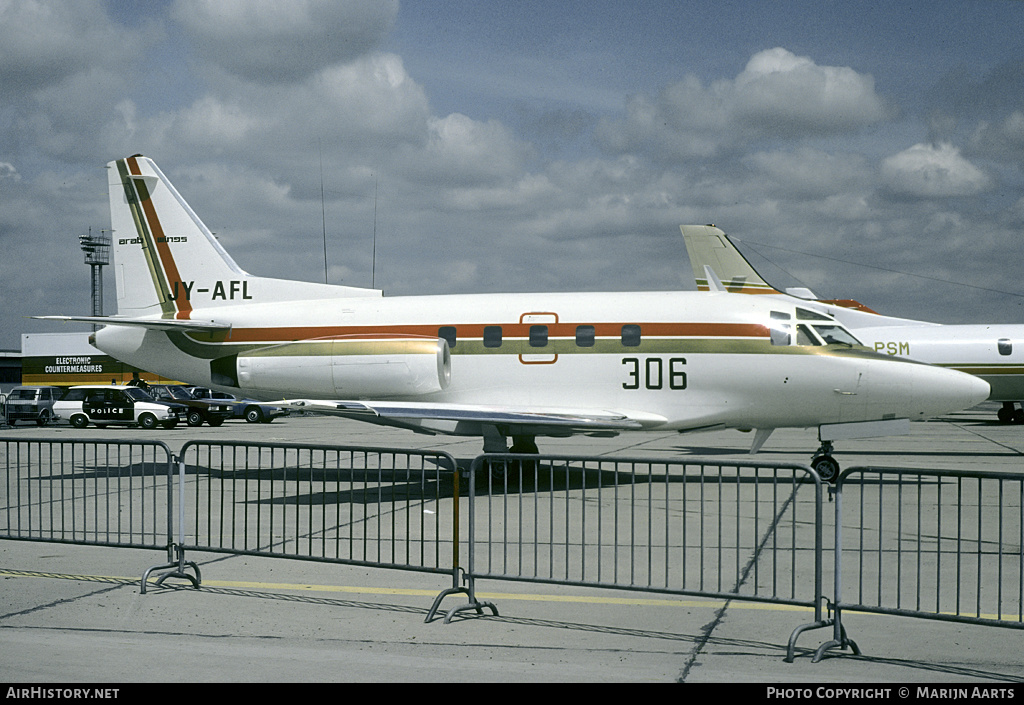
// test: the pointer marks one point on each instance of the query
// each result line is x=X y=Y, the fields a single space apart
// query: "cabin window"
x=780 y=335
x=538 y=336
x=631 y=335
x=1005 y=346
x=585 y=336
x=492 y=336
x=448 y=333
x=780 y=332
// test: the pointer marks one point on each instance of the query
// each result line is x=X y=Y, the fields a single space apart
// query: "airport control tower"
x=97 y=254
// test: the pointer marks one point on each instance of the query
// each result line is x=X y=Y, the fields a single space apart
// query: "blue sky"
x=868 y=150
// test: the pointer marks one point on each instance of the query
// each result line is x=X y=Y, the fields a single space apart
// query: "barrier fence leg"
x=469 y=588
x=178 y=571
x=818 y=623
x=839 y=641
x=177 y=567
x=472 y=604
x=839 y=638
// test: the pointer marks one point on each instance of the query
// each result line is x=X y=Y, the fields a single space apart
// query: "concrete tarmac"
x=74 y=614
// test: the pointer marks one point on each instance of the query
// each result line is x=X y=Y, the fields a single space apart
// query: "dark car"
x=212 y=411
x=249 y=409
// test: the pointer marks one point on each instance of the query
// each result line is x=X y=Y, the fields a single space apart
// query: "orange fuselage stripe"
x=509 y=330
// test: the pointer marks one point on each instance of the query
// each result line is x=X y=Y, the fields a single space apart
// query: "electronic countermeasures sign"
x=69 y=370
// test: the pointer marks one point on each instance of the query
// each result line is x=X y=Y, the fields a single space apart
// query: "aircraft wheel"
x=826 y=467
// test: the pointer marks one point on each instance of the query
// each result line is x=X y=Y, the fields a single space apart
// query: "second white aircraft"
x=991 y=351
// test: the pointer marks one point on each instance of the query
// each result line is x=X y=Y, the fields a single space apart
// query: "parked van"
x=32 y=404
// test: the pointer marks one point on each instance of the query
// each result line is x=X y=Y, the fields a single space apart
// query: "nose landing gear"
x=824 y=464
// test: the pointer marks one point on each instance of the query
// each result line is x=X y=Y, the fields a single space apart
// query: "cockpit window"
x=835 y=334
x=805 y=337
x=802 y=314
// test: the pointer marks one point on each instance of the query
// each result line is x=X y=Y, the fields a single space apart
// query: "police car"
x=110 y=404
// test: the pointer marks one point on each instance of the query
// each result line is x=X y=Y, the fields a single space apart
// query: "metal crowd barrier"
x=932 y=544
x=110 y=493
x=750 y=531
x=921 y=543
x=367 y=506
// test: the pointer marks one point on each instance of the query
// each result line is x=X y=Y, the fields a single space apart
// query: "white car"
x=104 y=405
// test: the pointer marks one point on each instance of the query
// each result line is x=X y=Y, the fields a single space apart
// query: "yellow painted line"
x=367 y=590
x=710 y=603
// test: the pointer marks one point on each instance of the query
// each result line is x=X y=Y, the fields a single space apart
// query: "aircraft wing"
x=151 y=323
x=462 y=418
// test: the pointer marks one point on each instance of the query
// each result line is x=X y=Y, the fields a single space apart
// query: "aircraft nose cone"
x=954 y=391
x=976 y=390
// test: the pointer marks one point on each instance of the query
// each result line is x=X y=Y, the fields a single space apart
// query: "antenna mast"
x=323 y=208
x=373 y=266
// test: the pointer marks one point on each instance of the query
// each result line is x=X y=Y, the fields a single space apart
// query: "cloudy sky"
x=868 y=150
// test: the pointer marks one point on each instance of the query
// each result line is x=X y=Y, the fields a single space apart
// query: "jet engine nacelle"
x=353 y=366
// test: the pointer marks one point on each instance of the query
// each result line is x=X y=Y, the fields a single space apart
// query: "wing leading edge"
x=469 y=419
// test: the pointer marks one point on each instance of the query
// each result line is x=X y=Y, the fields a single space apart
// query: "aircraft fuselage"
x=675 y=360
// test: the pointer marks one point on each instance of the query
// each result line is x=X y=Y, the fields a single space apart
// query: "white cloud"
x=777 y=95
x=932 y=171
x=269 y=41
x=780 y=93
x=43 y=42
x=461 y=150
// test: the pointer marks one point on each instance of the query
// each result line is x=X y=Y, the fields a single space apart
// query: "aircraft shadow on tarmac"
x=306 y=486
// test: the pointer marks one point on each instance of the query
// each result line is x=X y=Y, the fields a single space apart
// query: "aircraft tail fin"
x=167 y=263
x=719 y=266
x=709 y=247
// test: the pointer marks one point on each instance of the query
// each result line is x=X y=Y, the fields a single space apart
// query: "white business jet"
x=993 y=352
x=498 y=366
